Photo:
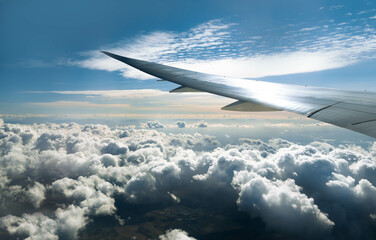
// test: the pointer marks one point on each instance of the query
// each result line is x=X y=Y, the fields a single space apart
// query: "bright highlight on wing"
x=348 y=109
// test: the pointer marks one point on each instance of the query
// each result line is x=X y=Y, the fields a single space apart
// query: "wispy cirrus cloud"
x=215 y=47
x=78 y=104
x=131 y=94
x=136 y=101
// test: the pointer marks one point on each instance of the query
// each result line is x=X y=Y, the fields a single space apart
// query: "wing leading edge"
x=348 y=109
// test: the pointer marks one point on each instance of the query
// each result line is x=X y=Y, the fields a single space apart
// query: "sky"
x=93 y=149
x=51 y=63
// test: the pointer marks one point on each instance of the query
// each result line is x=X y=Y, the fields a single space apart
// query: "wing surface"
x=353 y=110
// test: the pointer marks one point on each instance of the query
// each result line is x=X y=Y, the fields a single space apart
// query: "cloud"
x=181 y=124
x=137 y=102
x=35 y=226
x=202 y=124
x=196 y=142
x=70 y=221
x=67 y=223
x=113 y=94
x=154 y=124
x=57 y=179
x=214 y=47
x=80 y=105
x=335 y=7
x=36 y=194
x=309 y=29
x=295 y=125
x=176 y=234
x=281 y=205
x=92 y=194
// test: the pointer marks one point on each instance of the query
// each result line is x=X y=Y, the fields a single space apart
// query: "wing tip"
x=123 y=59
x=108 y=53
x=126 y=60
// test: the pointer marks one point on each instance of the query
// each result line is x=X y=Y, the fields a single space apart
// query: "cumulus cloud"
x=70 y=221
x=281 y=205
x=202 y=124
x=58 y=178
x=181 y=124
x=152 y=125
x=66 y=224
x=36 y=194
x=197 y=142
x=176 y=234
x=35 y=226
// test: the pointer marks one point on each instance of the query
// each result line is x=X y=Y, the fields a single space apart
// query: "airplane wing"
x=348 y=109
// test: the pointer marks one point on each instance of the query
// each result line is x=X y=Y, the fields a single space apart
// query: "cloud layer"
x=57 y=178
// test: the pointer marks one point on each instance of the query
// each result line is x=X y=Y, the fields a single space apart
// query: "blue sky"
x=50 y=61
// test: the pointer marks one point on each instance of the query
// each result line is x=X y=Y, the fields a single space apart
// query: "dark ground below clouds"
x=201 y=223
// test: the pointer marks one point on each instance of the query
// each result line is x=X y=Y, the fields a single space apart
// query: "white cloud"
x=309 y=28
x=202 y=124
x=282 y=205
x=284 y=63
x=176 y=234
x=70 y=221
x=196 y=142
x=92 y=193
x=36 y=194
x=35 y=226
x=335 y=7
x=151 y=125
